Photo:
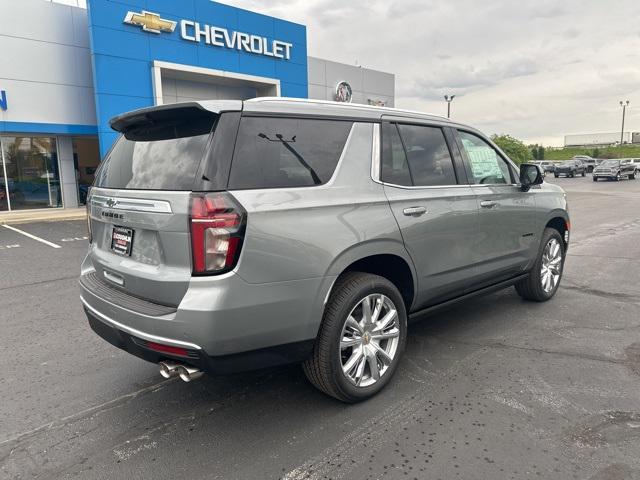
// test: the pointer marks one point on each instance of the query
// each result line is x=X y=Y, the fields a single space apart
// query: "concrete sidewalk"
x=43 y=215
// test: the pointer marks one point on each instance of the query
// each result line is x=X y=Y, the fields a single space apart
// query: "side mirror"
x=530 y=174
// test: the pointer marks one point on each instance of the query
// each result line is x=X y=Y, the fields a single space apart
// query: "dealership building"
x=69 y=67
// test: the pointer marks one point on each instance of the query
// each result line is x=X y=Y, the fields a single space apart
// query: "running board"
x=476 y=293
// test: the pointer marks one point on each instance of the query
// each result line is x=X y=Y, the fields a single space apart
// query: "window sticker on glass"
x=486 y=166
x=484 y=161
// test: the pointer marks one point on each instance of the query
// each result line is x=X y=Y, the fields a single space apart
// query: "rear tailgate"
x=155 y=262
x=139 y=206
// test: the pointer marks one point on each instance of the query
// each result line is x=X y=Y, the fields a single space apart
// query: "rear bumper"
x=226 y=323
x=220 y=365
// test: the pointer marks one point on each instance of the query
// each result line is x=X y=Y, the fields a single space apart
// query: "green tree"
x=514 y=148
x=537 y=151
x=596 y=153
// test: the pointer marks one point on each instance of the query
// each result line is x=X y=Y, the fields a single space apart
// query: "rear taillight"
x=217 y=228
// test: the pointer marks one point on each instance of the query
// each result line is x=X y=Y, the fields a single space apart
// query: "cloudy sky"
x=536 y=69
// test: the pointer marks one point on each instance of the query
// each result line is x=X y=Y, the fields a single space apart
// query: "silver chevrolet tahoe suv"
x=230 y=235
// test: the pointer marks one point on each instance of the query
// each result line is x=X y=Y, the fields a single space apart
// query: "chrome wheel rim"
x=369 y=340
x=551 y=265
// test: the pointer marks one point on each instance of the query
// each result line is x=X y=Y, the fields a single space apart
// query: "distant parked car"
x=615 y=169
x=570 y=168
x=547 y=165
x=636 y=162
x=589 y=162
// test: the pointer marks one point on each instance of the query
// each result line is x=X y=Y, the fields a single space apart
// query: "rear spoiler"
x=150 y=115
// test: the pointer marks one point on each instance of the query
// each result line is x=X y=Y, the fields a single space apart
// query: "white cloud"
x=536 y=69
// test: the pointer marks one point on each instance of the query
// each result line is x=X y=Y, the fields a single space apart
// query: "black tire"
x=595 y=179
x=531 y=287
x=632 y=176
x=556 y=175
x=323 y=368
x=584 y=173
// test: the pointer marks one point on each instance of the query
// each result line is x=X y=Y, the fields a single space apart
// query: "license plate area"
x=122 y=241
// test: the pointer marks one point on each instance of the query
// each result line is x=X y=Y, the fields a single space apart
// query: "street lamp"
x=449 y=99
x=624 y=106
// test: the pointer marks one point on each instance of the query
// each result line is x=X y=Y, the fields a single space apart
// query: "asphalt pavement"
x=494 y=388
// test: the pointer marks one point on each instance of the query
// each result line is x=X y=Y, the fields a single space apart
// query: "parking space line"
x=38 y=239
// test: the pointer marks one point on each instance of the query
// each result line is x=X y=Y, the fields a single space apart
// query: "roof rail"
x=360 y=106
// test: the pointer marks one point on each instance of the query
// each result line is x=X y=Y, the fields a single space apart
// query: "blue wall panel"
x=123 y=55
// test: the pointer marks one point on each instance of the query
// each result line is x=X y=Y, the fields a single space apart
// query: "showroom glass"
x=30 y=177
x=424 y=161
x=163 y=156
x=487 y=167
x=286 y=152
x=86 y=159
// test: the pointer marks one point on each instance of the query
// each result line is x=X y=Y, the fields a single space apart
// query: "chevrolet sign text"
x=221 y=37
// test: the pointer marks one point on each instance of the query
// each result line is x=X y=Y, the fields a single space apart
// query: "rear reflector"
x=158 y=347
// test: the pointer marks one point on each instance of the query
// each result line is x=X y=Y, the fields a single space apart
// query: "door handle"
x=414 y=211
x=488 y=203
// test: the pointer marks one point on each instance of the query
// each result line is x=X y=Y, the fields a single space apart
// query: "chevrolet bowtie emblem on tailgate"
x=150 y=22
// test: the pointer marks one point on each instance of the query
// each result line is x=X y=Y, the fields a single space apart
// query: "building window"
x=30 y=176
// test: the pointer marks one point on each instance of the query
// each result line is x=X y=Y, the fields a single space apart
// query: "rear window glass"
x=157 y=155
x=395 y=169
x=286 y=152
x=428 y=155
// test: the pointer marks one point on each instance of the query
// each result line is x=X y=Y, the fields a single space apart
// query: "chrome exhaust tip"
x=189 y=373
x=168 y=369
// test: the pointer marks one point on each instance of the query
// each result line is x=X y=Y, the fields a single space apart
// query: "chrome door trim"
x=375 y=154
x=131 y=204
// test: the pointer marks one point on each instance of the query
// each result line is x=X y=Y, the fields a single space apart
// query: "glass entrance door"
x=30 y=173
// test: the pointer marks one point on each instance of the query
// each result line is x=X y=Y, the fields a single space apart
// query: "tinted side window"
x=395 y=169
x=486 y=166
x=428 y=155
x=286 y=152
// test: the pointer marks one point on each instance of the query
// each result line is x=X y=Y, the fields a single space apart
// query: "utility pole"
x=449 y=99
x=624 y=106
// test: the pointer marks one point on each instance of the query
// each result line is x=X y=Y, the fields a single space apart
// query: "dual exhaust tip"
x=186 y=373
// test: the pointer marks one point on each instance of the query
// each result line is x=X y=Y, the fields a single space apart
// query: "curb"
x=18 y=219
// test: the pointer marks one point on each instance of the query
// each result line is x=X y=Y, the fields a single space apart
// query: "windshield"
x=610 y=163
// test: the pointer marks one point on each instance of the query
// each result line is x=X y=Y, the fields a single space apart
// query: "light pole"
x=449 y=99
x=624 y=106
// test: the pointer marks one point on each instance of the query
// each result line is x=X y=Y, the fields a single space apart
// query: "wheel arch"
x=559 y=220
x=387 y=259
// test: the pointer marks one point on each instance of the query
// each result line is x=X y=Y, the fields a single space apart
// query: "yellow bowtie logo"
x=150 y=22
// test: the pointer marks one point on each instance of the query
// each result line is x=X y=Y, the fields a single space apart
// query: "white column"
x=67 y=172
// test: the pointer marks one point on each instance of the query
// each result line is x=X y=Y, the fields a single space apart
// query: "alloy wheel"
x=369 y=340
x=551 y=265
